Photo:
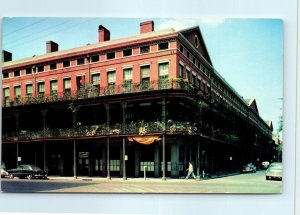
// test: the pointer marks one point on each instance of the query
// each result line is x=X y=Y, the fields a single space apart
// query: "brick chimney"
x=147 y=26
x=51 y=46
x=103 y=34
x=6 y=56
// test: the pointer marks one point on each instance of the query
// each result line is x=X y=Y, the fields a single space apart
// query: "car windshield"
x=276 y=166
x=36 y=168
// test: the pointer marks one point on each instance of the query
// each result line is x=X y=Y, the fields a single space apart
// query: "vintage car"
x=274 y=171
x=4 y=173
x=27 y=171
x=249 y=168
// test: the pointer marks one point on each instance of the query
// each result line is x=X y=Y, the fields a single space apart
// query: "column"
x=74 y=159
x=198 y=160
x=157 y=161
x=164 y=139
x=104 y=160
x=107 y=142
x=124 y=104
x=137 y=161
x=174 y=160
x=17 y=134
x=44 y=112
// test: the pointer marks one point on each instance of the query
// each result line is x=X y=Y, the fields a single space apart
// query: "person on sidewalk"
x=190 y=171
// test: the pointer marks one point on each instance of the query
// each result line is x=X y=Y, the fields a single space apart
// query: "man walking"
x=190 y=171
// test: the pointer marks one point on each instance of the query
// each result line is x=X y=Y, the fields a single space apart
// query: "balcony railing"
x=93 y=92
x=140 y=128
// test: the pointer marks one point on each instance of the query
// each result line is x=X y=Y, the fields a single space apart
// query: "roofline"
x=102 y=46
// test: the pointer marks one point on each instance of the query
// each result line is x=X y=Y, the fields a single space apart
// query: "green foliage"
x=232 y=138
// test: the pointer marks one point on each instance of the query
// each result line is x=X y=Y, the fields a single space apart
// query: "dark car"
x=27 y=171
x=249 y=168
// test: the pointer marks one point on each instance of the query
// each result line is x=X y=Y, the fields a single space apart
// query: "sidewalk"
x=152 y=179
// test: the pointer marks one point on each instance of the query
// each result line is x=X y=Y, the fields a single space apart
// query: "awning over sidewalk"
x=144 y=140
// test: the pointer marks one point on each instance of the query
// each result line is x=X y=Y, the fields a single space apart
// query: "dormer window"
x=196 y=41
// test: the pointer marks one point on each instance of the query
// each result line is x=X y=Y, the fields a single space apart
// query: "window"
x=67 y=85
x=196 y=41
x=110 y=55
x=17 y=91
x=53 y=66
x=163 y=46
x=188 y=55
x=199 y=83
x=41 y=88
x=194 y=60
x=40 y=68
x=96 y=82
x=193 y=79
x=5 y=74
x=180 y=71
x=111 y=81
x=163 y=72
x=181 y=48
x=187 y=76
x=95 y=58
x=144 y=49
x=198 y=65
x=127 y=80
x=66 y=63
x=28 y=89
x=53 y=87
x=28 y=71
x=6 y=95
x=145 y=77
x=16 y=73
x=114 y=165
x=80 y=61
x=127 y=52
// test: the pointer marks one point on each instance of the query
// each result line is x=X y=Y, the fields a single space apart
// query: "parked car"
x=4 y=173
x=265 y=164
x=274 y=171
x=249 y=168
x=27 y=171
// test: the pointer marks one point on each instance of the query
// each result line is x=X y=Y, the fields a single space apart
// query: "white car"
x=4 y=173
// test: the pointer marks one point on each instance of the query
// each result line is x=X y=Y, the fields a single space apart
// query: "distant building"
x=112 y=108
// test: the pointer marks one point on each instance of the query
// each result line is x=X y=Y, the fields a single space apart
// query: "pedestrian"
x=190 y=171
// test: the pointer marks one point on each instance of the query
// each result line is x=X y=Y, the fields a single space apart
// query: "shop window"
x=114 y=165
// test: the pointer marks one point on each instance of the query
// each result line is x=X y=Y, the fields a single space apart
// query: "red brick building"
x=112 y=108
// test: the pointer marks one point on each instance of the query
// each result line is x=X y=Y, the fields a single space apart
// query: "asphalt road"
x=243 y=183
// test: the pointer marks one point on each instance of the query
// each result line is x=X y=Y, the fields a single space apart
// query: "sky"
x=248 y=53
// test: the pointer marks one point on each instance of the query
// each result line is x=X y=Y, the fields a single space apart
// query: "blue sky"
x=248 y=53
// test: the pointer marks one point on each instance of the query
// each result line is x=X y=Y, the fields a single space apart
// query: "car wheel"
x=11 y=176
x=29 y=177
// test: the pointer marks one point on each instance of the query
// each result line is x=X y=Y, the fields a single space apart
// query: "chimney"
x=51 y=46
x=103 y=34
x=6 y=56
x=147 y=26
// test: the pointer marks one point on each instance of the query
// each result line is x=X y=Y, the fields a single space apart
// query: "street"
x=242 y=183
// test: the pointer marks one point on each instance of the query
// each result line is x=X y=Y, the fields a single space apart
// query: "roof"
x=137 y=37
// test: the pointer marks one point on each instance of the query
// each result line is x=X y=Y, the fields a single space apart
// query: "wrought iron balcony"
x=90 y=91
